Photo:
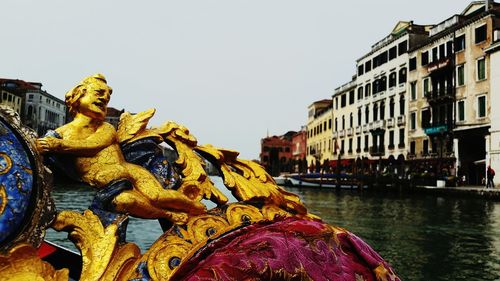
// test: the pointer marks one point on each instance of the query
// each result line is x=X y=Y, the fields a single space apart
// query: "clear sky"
x=230 y=70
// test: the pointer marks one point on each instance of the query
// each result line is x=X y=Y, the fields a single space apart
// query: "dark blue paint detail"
x=148 y=154
x=103 y=207
x=142 y=269
x=17 y=181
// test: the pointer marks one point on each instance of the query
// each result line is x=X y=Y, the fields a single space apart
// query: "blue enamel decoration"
x=16 y=182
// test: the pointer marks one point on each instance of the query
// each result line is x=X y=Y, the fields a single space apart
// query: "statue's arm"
x=102 y=138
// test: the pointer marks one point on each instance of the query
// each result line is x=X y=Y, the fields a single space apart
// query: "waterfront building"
x=346 y=126
x=276 y=153
x=113 y=116
x=319 y=134
x=10 y=94
x=450 y=89
x=299 y=151
x=38 y=109
x=370 y=112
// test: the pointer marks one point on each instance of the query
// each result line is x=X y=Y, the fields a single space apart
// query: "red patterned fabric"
x=286 y=249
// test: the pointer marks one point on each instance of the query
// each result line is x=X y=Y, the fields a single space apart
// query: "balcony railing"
x=349 y=132
x=390 y=122
x=401 y=120
x=342 y=134
x=358 y=130
x=335 y=134
x=380 y=124
x=442 y=95
x=377 y=150
x=365 y=128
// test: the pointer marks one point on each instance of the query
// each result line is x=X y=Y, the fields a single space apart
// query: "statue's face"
x=95 y=100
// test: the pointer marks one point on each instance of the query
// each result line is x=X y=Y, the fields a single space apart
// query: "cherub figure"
x=99 y=160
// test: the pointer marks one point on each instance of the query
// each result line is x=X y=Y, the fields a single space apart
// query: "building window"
x=359 y=116
x=30 y=97
x=426 y=86
x=401 y=138
x=413 y=63
x=350 y=145
x=425 y=58
x=402 y=47
x=392 y=79
x=480 y=34
x=481 y=106
x=481 y=69
x=360 y=69
x=351 y=121
x=442 y=51
x=391 y=108
x=402 y=75
x=368 y=66
x=375 y=112
x=413 y=121
x=435 y=54
x=351 y=97
x=460 y=43
x=358 y=145
x=412 y=148
x=426 y=118
x=360 y=93
x=393 y=53
x=461 y=111
x=367 y=114
x=329 y=124
x=343 y=100
x=366 y=143
x=343 y=122
x=402 y=105
x=460 y=75
x=336 y=128
x=368 y=88
x=413 y=90
x=391 y=139
x=426 y=147
x=382 y=110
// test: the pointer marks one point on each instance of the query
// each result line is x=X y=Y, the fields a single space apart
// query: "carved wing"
x=132 y=126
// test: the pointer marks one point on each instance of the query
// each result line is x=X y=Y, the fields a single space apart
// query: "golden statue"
x=267 y=234
x=99 y=160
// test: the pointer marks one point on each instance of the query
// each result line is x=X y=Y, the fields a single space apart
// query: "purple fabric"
x=281 y=249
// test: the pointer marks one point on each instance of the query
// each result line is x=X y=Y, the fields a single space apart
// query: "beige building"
x=11 y=100
x=449 y=91
x=319 y=133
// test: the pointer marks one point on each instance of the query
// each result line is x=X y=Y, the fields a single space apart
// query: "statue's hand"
x=44 y=145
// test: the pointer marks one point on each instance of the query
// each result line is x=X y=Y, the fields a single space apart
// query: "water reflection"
x=423 y=237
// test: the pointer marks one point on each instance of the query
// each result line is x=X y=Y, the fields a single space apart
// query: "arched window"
x=367 y=114
x=351 y=124
x=368 y=90
x=392 y=79
x=402 y=105
x=402 y=75
x=359 y=116
x=391 y=108
x=343 y=122
x=382 y=110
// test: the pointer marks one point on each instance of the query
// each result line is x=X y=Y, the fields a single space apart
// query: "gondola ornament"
x=268 y=234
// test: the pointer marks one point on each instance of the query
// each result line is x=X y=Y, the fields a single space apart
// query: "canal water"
x=422 y=237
